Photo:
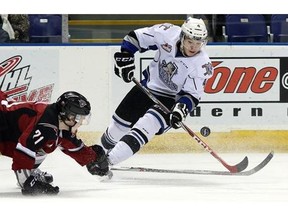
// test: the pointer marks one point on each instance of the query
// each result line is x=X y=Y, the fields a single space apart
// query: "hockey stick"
x=233 y=169
x=199 y=172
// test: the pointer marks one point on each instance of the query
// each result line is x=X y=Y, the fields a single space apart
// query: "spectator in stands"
x=20 y=25
x=17 y=26
x=7 y=32
x=4 y=36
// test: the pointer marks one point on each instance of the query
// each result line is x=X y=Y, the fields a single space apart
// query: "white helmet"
x=195 y=29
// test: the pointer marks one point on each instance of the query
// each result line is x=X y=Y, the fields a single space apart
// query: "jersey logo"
x=167 y=47
x=209 y=68
x=166 y=73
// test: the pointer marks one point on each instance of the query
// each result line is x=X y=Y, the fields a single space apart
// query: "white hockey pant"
x=141 y=133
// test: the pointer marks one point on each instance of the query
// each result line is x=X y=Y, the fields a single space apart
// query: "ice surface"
x=133 y=193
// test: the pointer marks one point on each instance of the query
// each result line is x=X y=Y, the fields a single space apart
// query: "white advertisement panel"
x=28 y=73
x=249 y=88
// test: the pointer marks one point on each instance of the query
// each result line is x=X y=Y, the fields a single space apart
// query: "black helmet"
x=72 y=103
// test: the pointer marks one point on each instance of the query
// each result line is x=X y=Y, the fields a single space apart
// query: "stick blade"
x=240 y=166
x=261 y=165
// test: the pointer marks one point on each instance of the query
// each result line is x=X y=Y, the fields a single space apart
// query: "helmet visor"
x=83 y=119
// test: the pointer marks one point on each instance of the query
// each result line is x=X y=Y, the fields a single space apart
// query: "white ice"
x=135 y=193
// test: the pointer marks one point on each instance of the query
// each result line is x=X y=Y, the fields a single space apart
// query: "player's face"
x=70 y=122
x=191 y=47
x=78 y=119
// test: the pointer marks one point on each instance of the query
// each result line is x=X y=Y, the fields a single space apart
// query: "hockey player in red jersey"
x=31 y=130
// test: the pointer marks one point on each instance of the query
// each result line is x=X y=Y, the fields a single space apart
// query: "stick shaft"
x=187 y=129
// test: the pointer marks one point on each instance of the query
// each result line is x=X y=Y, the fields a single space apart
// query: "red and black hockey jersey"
x=30 y=130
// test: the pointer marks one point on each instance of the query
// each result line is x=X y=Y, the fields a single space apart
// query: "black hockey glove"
x=178 y=115
x=33 y=187
x=100 y=166
x=124 y=66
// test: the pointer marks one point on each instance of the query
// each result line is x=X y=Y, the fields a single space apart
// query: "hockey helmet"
x=194 y=29
x=73 y=106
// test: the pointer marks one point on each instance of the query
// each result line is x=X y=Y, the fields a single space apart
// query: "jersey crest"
x=209 y=68
x=166 y=73
x=167 y=47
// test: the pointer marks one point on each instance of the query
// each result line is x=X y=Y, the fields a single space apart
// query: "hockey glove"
x=100 y=166
x=33 y=187
x=178 y=115
x=124 y=66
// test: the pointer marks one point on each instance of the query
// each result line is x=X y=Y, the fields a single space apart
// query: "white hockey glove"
x=124 y=66
x=178 y=115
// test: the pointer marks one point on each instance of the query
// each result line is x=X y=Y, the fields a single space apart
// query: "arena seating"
x=245 y=28
x=45 y=28
x=279 y=27
x=236 y=27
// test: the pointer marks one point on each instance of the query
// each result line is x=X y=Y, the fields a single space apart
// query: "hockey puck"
x=205 y=131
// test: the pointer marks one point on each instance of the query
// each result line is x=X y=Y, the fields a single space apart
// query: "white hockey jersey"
x=169 y=73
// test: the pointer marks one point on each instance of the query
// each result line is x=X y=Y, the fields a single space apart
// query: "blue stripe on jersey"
x=154 y=47
x=131 y=48
x=146 y=75
x=187 y=101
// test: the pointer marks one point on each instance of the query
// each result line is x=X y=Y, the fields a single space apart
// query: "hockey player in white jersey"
x=176 y=76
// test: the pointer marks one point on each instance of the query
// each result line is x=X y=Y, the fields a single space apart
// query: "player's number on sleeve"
x=165 y=26
x=37 y=137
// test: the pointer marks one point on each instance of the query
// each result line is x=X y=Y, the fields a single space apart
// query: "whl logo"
x=14 y=80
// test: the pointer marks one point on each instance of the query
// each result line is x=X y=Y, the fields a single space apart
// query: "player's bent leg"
x=141 y=133
x=23 y=174
x=116 y=130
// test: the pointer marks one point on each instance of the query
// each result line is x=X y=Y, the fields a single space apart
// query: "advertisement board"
x=29 y=73
x=249 y=88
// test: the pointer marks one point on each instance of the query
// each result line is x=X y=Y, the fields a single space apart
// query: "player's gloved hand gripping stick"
x=124 y=65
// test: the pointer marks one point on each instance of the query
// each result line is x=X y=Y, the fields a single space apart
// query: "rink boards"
x=245 y=105
x=233 y=141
